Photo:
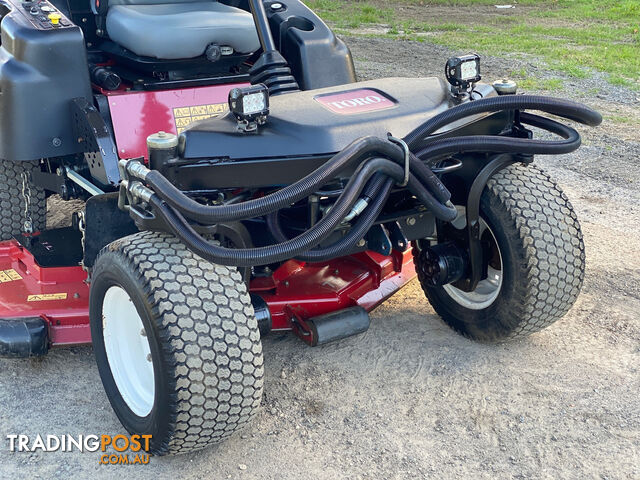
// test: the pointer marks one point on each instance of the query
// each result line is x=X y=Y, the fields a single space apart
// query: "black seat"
x=177 y=29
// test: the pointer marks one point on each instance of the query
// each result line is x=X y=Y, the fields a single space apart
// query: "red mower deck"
x=60 y=295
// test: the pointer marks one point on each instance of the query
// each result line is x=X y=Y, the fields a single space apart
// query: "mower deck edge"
x=59 y=296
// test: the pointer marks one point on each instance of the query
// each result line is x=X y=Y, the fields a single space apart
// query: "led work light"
x=250 y=106
x=463 y=72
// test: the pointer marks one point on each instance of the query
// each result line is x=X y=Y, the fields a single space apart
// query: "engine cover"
x=323 y=122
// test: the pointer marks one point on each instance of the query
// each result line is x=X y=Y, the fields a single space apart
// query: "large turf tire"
x=543 y=259
x=12 y=200
x=203 y=339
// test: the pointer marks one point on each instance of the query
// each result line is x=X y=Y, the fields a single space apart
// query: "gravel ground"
x=409 y=398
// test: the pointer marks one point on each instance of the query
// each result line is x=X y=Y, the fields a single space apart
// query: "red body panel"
x=60 y=295
x=136 y=115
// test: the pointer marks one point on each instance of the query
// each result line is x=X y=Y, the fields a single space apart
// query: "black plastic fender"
x=41 y=71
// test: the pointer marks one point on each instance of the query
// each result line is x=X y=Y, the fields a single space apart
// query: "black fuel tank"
x=321 y=122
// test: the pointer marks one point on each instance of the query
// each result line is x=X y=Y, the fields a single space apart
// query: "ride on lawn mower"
x=239 y=180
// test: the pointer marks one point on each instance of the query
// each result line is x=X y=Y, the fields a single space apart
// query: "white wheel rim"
x=488 y=289
x=128 y=351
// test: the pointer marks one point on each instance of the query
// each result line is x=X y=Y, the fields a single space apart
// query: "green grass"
x=344 y=14
x=619 y=119
x=534 y=83
x=576 y=37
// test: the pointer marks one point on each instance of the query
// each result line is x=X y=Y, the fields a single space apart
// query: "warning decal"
x=9 y=275
x=46 y=296
x=185 y=116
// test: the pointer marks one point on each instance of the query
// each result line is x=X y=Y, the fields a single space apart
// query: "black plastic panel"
x=105 y=223
x=301 y=134
x=58 y=247
x=41 y=70
x=316 y=56
x=300 y=125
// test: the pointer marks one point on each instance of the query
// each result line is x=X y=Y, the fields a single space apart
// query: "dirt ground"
x=410 y=398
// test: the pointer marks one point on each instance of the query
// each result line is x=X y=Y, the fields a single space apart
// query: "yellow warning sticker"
x=185 y=116
x=46 y=296
x=9 y=275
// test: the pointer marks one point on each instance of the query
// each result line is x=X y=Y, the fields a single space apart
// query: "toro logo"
x=355 y=101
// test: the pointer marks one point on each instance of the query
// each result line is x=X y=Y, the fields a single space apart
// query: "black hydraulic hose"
x=370 y=145
x=371 y=193
x=474 y=143
x=283 y=251
x=497 y=144
x=308 y=239
x=446 y=211
x=347 y=243
x=363 y=147
x=562 y=108
x=360 y=228
x=373 y=177
x=429 y=179
x=352 y=154
x=374 y=185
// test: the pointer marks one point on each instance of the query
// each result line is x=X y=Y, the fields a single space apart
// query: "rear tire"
x=541 y=259
x=194 y=321
x=12 y=200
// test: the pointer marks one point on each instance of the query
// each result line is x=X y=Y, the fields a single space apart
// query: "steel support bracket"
x=95 y=141
x=473 y=218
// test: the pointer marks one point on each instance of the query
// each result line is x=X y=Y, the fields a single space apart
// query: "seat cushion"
x=180 y=30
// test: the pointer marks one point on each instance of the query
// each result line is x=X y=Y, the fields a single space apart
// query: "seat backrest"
x=150 y=2
x=100 y=7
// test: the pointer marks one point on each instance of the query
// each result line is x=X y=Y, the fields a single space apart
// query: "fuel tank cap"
x=162 y=141
x=505 y=87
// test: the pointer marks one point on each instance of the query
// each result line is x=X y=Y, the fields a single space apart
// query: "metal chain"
x=26 y=195
x=82 y=226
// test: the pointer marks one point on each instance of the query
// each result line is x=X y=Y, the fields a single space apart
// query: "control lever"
x=271 y=68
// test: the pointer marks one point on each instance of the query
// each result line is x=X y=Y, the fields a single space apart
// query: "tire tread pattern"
x=538 y=216
x=209 y=335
